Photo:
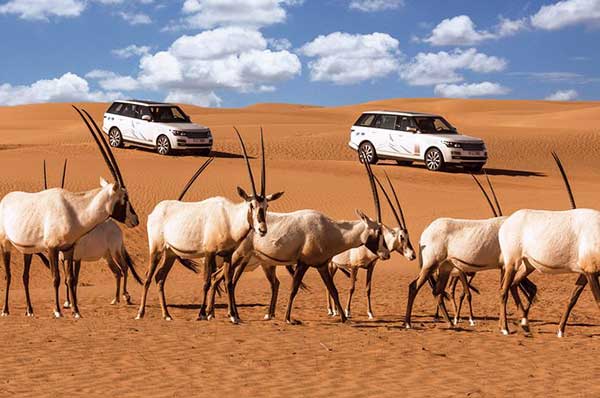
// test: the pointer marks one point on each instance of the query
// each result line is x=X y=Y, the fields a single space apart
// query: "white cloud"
x=375 y=5
x=461 y=31
x=563 y=95
x=567 y=13
x=435 y=68
x=208 y=14
x=111 y=81
x=43 y=9
x=344 y=58
x=199 y=98
x=135 y=18
x=470 y=90
x=68 y=87
x=131 y=51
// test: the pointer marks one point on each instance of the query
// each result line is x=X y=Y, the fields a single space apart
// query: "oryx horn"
x=493 y=194
x=45 y=177
x=373 y=186
x=387 y=197
x=397 y=201
x=194 y=177
x=565 y=179
x=486 y=195
x=247 y=161
x=64 y=173
x=263 y=173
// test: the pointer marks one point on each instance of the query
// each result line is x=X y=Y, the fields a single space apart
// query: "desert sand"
x=109 y=353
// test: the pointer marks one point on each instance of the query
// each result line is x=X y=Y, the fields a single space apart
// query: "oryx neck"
x=240 y=221
x=91 y=207
x=351 y=234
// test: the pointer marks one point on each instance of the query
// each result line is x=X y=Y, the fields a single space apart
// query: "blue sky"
x=237 y=52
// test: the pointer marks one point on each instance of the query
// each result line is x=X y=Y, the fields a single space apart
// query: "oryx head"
x=258 y=203
x=118 y=205
x=373 y=237
x=397 y=238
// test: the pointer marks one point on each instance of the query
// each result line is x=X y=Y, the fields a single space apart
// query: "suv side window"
x=127 y=110
x=116 y=108
x=404 y=123
x=385 y=122
x=365 y=120
x=144 y=110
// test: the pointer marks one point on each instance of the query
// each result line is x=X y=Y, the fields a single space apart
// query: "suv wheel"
x=115 y=139
x=163 y=145
x=369 y=150
x=434 y=160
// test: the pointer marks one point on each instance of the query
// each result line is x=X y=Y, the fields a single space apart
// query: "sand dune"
x=107 y=352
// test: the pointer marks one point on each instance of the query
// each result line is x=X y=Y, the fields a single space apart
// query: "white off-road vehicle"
x=408 y=136
x=164 y=127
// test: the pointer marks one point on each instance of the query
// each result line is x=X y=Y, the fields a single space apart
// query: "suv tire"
x=163 y=145
x=434 y=160
x=115 y=139
x=369 y=151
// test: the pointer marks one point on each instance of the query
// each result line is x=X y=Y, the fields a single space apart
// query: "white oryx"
x=467 y=245
x=307 y=238
x=352 y=260
x=552 y=242
x=212 y=227
x=55 y=219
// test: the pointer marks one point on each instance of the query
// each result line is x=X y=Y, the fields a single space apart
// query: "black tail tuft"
x=131 y=266
x=190 y=264
x=44 y=260
x=529 y=289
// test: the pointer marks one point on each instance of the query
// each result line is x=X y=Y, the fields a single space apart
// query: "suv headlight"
x=451 y=144
x=179 y=133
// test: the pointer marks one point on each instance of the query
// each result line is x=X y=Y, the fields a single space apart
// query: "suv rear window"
x=115 y=108
x=385 y=122
x=365 y=120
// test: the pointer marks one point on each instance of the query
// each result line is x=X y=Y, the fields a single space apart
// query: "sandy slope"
x=108 y=352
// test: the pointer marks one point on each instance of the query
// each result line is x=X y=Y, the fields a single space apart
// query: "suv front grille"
x=196 y=134
x=475 y=146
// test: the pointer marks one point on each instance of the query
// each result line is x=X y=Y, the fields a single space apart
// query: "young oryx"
x=212 y=227
x=553 y=242
x=352 y=260
x=53 y=220
x=308 y=238
x=468 y=245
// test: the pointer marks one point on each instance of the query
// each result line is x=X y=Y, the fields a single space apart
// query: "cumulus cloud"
x=135 y=18
x=344 y=58
x=200 y=98
x=563 y=95
x=131 y=51
x=375 y=5
x=427 y=69
x=43 y=9
x=567 y=13
x=68 y=87
x=470 y=90
x=111 y=81
x=461 y=31
x=207 y=14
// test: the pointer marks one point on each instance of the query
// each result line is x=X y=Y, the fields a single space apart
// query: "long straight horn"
x=45 y=177
x=102 y=152
x=387 y=197
x=565 y=179
x=373 y=186
x=397 y=201
x=196 y=174
x=493 y=194
x=486 y=195
x=64 y=173
x=247 y=161
x=114 y=163
x=263 y=173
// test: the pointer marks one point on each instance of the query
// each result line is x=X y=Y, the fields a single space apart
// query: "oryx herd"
x=230 y=238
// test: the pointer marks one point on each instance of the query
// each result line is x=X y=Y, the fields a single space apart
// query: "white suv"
x=164 y=127
x=408 y=136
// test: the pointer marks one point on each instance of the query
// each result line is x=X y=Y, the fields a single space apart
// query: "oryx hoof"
x=57 y=314
x=471 y=322
x=67 y=304
x=139 y=315
x=293 y=322
x=407 y=325
x=370 y=314
x=334 y=313
x=524 y=321
x=4 y=313
x=268 y=317
x=235 y=320
x=455 y=321
x=330 y=312
x=202 y=317
x=560 y=334
x=167 y=318
x=29 y=313
x=348 y=313
x=114 y=301
x=76 y=315
x=504 y=332
x=210 y=316
x=127 y=299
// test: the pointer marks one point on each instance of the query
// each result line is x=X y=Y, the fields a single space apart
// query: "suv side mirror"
x=147 y=118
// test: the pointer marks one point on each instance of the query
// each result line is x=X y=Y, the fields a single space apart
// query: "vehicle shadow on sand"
x=460 y=170
x=192 y=153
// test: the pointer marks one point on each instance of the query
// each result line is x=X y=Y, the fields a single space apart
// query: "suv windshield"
x=434 y=125
x=168 y=114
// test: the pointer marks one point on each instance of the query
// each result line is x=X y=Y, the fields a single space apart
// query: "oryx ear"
x=274 y=196
x=243 y=194
x=103 y=182
x=362 y=216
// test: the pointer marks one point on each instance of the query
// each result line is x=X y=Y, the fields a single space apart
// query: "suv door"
x=380 y=129
x=403 y=141
x=142 y=129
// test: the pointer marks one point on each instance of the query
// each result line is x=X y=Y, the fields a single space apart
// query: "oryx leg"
x=370 y=270
x=580 y=284
x=53 y=258
x=298 y=275
x=124 y=268
x=595 y=285
x=520 y=275
x=153 y=262
x=271 y=274
x=26 y=266
x=67 y=303
x=440 y=288
x=353 y=273
x=228 y=273
x=161 y=277
x=328 y=280
x=216 y=278
x=507 y=281
x=331 y=310
x=413 y=289
x=209 y=268
x=7 y=278
x=466 y=292
x=72 y=282
x=115 y=269
x=453 y=282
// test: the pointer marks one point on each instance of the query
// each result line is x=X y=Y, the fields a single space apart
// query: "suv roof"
x=401 y=113
x=144 y=103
